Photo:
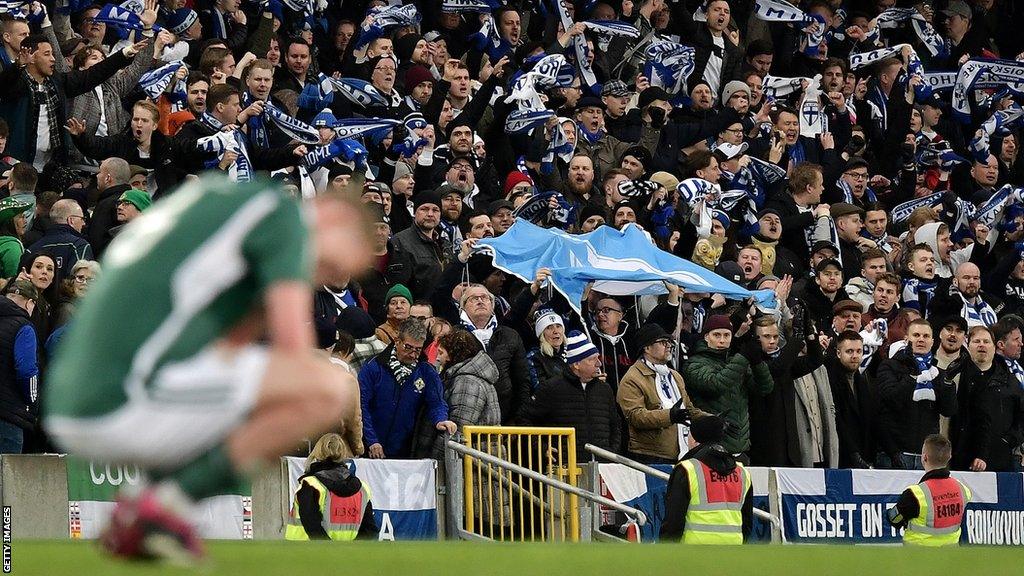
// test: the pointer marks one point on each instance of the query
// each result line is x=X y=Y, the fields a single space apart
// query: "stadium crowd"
x=857 y=158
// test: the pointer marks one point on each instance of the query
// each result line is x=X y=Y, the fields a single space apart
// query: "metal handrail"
x=640 y=517
x=619 y=459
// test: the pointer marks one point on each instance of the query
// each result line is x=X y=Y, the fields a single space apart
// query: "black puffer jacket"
x=513 y=386
x=904 y=423
x=591 y=410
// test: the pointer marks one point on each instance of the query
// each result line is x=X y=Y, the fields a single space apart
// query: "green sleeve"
x=278 y=248
x=711 y=379
x=10 y=258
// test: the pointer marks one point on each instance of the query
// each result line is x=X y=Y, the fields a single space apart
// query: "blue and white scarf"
x=412 y=141
x=980 y=314
x=154 y=82
x=693 y=189
x=482 y=334
x=940 y=81
x=460 y=6
x=976 y=74
x=1015 y=369
x=295 y=129
x=579 y=45
x=944 y=158
x=538 y=211
x=636 y=188
x=1000 y=122
x=16 y=8
x=776 y=11
x=359 y=92
x=924 y=389
x=489 y=40
x=347 y=150
x=220 y=142
x=777 y=87
x=921 y=91
x=616 y=28
x=988 y=213
x=553 y=71
x=560 y=147
x=385 y=17
x=917 y=292
x=756 y=177
x=522 y=121
x=370 y=127
x=668 y=65
x=847 y=190
x=936 y=44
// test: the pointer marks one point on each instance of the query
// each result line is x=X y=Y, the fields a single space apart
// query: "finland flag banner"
x=848 y=506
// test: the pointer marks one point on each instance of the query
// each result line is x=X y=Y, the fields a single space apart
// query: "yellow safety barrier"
x=507 y=506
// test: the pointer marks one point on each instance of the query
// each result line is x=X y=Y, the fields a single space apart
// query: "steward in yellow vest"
x=709 y=498
x=933 y=509
x=330 y=502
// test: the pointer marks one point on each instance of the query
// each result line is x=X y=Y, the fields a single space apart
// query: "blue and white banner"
x=848 y=506
x=604 y=254
x=403 y=494
x=647 y=494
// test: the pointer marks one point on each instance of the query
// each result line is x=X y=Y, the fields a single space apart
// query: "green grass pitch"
x=464 y=558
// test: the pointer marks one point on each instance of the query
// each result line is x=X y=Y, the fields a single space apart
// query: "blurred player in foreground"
x=193 y=356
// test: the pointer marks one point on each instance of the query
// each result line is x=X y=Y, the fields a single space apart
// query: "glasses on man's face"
x=734 y=130
x=666 y=343
x=384 y=69
x=608 y=310
x=410 y=348
x=76 y=216
x=857 y=175
x=82 y=279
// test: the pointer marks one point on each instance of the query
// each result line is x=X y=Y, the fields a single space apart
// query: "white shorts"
x=191 y=407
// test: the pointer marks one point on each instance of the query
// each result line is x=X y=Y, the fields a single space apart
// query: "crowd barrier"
x=57 y=497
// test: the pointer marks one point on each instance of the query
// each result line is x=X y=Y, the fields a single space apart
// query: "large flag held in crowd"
x=605 y=254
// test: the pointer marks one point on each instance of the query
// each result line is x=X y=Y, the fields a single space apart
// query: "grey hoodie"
x=928 y=234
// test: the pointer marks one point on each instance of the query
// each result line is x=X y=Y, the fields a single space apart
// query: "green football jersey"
x=172 y=282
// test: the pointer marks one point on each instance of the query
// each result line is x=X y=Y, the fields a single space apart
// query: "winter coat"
x=904 y=424
x=990 y=417
x=513 y=384
x=23 y=117
x=390 y=408
x=67 y=246
x=855 y=412
x=809 y=390
x=104 y=217
x=428 y=257
x=543 y=368
x=650 y=431
x=721 y=383
x=396 y=268
x=590 y=409
x=471 y=398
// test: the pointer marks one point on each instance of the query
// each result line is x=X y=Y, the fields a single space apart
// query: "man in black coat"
x=391 y=266
x=854 y=401
x=990 y=405
x=111 y=182
x=64 y=239
x=578 y=399
x=912 y=394
x=799 y=207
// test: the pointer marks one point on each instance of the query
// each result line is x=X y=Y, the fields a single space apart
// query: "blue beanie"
x=578 y=347
x=181 y=19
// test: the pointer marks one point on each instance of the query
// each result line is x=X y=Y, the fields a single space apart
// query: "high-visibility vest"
x=942 y=503
x=714 y=515
x=340 y=516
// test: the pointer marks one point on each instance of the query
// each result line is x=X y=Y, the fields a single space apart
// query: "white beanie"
x=547 y=318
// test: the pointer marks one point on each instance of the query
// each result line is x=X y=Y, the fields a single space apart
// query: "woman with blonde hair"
x=330 y=503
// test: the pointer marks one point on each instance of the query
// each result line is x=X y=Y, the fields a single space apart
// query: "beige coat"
x=650 y=431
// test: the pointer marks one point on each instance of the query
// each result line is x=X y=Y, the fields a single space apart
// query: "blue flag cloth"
x=605 y=254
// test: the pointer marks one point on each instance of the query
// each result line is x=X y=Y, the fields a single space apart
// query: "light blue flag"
x=605 y=254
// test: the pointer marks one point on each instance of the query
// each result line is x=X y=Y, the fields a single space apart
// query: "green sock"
x=208 y=475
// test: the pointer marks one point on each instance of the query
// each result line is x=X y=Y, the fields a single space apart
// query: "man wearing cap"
x=418 y=83
x=964 y=43
x=502 y=219
x=822 y=294
x=723 y=383
x=653 y=399
x=579 y=398
x=596 y=143
x=621 y=123
x=397 y=303
x=18 y=379
x=424 y=243
x=131 y=205
x=846 y=316
x=710 y=497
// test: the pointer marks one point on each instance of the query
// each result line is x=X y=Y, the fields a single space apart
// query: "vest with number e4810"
x=715 y=511
x=340 y=516
x=942 y=503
